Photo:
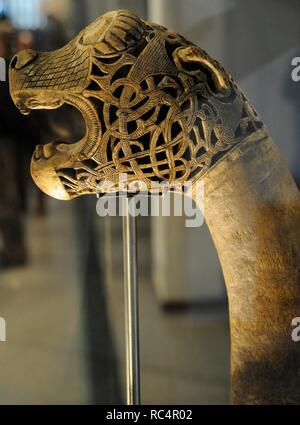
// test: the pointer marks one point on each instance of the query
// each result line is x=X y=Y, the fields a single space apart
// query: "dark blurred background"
x=61 y=281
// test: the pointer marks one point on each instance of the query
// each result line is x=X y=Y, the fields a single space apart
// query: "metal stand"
x=131 y=302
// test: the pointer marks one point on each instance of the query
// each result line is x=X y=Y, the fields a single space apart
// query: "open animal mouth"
x=65 y=126
x=69 y=130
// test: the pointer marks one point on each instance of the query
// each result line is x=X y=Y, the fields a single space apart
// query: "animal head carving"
x=156 y=106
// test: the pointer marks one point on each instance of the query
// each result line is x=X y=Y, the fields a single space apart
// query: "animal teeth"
x=39 y=152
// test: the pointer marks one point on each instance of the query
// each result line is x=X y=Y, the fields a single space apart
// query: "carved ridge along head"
x=156 y=106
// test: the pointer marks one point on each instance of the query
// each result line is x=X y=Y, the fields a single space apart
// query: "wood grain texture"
x=253 y=212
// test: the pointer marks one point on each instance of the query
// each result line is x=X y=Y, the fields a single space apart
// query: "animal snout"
x=23 y=59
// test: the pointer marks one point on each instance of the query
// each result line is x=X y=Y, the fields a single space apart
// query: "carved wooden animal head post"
x=156 y=106
x=159 y=108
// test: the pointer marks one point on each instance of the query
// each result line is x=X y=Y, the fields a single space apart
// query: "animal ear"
x=113 y=32
x=193 y=59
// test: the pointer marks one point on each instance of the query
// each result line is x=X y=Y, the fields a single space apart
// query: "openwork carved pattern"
x=163 y=127
x=157 y=107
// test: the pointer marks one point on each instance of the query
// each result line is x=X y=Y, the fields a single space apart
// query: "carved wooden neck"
x=252 y=207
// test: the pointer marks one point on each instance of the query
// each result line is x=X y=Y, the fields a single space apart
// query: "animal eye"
x=150 y=35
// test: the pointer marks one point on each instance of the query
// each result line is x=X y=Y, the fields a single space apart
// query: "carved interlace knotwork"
x=156 y=106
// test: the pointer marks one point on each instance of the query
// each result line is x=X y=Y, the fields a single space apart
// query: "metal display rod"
x=131 y=301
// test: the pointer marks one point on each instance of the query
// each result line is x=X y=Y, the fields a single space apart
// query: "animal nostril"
x=23 y=58
x=14 y=62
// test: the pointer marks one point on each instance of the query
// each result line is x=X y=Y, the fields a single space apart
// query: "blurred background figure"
x=13 y=252
x=29 y=132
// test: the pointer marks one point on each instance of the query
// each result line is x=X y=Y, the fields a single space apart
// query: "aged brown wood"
x=159 y=108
